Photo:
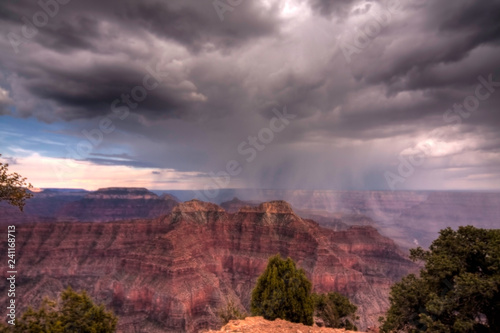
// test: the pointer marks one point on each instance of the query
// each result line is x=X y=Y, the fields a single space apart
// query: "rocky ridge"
x=103 y=205
x=410 y=218
x=173 y=273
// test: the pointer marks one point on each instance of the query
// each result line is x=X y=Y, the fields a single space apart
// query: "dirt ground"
x=260 y=325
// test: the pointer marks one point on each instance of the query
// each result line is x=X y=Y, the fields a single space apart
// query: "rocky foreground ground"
x=260 y=325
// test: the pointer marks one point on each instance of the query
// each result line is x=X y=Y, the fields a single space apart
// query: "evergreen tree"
x=458 y=289
x=75 y=313
x=335 y=310
x=283 y=291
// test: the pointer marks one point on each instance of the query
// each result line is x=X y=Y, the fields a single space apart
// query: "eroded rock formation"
x=107 y=204
x=173 y=273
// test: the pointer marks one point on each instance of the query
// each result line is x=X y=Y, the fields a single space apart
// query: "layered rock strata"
x=173 y=273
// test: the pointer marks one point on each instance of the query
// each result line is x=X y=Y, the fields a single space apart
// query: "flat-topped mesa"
x=271 y=207
x=122 y=193
x=50 y=193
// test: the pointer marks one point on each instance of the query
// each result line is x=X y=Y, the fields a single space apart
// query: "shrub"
x=75 y=312
x=283 y=291
x=230 y=312
x=335 y=310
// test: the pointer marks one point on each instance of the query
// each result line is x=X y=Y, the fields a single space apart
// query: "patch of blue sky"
x=24 y=136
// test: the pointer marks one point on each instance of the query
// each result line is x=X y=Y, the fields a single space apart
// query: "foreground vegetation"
x=335 y=310
x=284 y=292
x=458 y=289
x=74 y=312
x=13 y=187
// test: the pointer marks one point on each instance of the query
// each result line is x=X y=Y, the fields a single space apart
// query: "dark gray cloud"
x=195 y=24
x=191 y=23
x=117 y=159
x=222 y=79
x=328 y=8
x=89 y=54
x=433 y=36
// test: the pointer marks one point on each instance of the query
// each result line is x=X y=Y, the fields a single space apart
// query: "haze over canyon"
x=166 y=265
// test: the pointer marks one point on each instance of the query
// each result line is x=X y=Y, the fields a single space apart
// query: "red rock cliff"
x=173 y=273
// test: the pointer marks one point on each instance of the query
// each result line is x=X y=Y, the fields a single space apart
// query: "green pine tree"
x=458 y=290
x=75 y=312
x=283 y=291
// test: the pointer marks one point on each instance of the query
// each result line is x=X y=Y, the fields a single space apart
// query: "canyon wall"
x=103 y=205
x=410 y=218
x=173 y=273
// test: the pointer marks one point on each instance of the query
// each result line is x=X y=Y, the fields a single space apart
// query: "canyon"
x=410 y=218
x=166 y=265
x=173 y=272
x=103 y=205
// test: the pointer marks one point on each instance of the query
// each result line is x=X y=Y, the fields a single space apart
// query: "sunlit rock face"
x=173 y=273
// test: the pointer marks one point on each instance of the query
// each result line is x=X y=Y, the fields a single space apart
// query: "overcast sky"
x=296 y=94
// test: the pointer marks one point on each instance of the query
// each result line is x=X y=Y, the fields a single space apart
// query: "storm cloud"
x=186 y=85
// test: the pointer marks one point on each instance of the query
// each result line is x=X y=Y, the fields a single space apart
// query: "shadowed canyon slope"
x=173 y=273
x=107 y=204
